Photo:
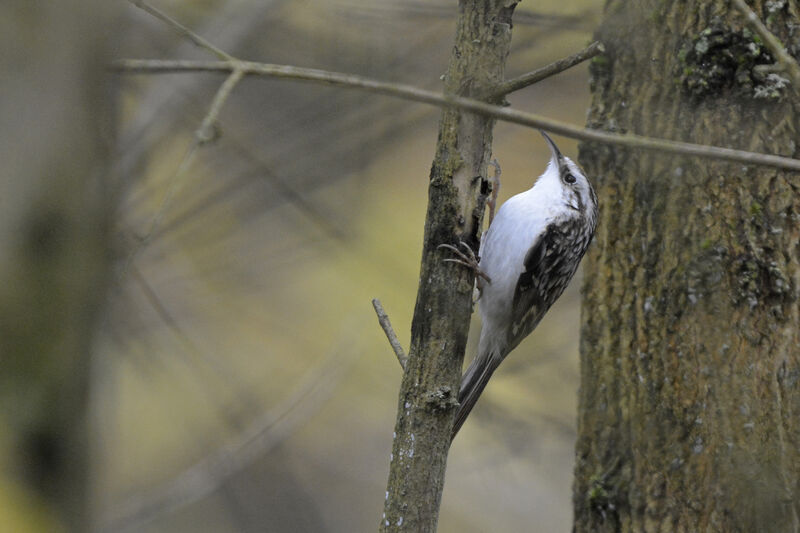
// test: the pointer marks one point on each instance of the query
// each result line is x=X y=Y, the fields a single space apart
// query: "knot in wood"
x=441 y=399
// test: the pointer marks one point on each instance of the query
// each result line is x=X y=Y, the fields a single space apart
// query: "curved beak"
x=553 y=148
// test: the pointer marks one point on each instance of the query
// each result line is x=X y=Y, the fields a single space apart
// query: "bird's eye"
x=569 y=178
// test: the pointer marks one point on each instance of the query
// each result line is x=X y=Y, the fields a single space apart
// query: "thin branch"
x=181 y=29
x=552 y=69
x=205 y=132
x=386 y=324
x=506 y=114
x=774 y=44
x=209 y=474
x=203 y=135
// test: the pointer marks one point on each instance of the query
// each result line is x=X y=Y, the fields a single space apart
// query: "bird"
x=526 y=259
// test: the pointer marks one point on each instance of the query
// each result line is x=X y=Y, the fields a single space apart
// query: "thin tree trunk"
x=54 y=260
x=457 y=193
x=690 y=362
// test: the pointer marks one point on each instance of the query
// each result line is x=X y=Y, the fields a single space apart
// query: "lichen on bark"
x=689 y=323
x=724 y=57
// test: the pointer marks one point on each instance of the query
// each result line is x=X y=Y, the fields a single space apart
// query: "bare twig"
x=210 y=473
x=181 y=29
x=229 y=23
x=203 y=134
x=386 y=324
x=552 y=69
x=784 y=59
x=506 y=114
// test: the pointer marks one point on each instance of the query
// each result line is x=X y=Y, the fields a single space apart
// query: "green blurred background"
x=242 y=382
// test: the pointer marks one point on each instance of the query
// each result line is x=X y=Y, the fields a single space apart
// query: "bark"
x=689 y=413
x=457 y=192
x=54 y=262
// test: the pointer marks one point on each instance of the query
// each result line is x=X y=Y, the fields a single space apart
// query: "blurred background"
x=241 y=382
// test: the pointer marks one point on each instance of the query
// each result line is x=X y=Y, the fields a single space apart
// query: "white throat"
x=549 y=195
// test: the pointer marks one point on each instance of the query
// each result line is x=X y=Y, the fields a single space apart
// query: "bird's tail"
x=472 y=384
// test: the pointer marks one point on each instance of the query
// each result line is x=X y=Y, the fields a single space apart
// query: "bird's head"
x=565 y=176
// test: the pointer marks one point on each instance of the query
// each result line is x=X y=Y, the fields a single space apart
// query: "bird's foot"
x=468 y=259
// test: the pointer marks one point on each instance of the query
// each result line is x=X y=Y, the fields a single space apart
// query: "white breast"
x=516 y=226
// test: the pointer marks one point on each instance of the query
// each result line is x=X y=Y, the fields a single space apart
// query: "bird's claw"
x=469 y=259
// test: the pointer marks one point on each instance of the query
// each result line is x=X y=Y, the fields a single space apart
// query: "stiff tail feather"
x=472 y=384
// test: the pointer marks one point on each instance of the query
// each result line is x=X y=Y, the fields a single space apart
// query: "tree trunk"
x=456 y=196
x=55 y=120
x=690 y=354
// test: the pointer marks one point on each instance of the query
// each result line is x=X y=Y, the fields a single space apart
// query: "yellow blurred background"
x=242 y=382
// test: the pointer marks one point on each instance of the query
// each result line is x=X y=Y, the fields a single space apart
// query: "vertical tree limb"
x=456 y=198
